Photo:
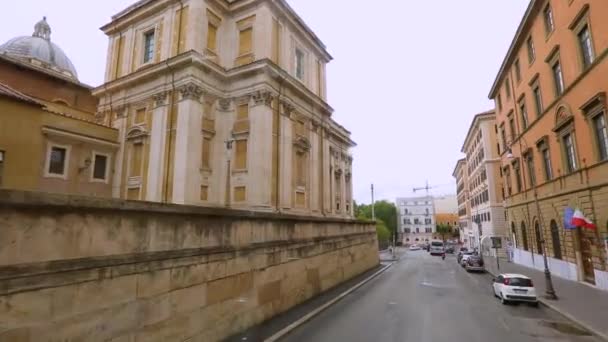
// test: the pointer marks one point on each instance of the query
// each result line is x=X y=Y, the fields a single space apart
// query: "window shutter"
x=245 y=43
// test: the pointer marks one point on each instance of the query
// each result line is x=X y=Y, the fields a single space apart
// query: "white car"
x=510 y=287
x=464 y=259
x=414 y=248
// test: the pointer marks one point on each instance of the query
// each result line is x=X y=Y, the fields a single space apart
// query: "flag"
x=579 y=220
x=568 y=213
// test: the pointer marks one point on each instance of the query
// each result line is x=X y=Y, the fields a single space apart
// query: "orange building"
x=550 y=96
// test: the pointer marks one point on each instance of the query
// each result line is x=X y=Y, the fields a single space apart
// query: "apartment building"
x=465 y=226
x=484 y=186
x=416 y=219
x=550 y=96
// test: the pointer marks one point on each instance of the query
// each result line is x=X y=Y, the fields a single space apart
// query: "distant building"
x=484 y=177
x=445 y=204
x=464 y=206
x=416 y=219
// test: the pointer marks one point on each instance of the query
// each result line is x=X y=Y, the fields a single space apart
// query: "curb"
x=568 y=316
x=288 y=329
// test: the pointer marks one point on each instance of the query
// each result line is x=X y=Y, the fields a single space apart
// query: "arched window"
x=524 y=236
x=557 y=245
x=539 y=239
x=514 y=235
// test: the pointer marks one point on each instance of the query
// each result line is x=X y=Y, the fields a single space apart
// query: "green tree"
x=384 y=235
x=443 y=230
x=385 y=211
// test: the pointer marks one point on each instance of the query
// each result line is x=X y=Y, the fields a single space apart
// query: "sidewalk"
x=579 y=302
x=385 y=255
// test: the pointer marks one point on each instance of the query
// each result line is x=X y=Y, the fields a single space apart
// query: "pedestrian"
x=509 y=251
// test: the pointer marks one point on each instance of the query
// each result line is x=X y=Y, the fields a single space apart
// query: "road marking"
x=392 y=303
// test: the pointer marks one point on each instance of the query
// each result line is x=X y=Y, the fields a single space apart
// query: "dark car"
x=449 y=249
x=474 y=263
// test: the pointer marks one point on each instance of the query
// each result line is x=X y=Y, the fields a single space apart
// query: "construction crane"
x=427 y=188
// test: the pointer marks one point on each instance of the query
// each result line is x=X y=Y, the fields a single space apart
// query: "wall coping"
x=31 y=199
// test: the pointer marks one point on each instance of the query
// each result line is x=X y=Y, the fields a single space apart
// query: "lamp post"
x=549 y=290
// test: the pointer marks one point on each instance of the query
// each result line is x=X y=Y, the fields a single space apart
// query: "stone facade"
x=90 y=269
x=550 y=95
x=223 y=103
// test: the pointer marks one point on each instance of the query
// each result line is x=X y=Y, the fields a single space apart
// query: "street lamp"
x=549 y=291
x=229 y=143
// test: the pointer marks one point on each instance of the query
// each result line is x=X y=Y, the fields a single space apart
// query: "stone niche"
x=89 y=269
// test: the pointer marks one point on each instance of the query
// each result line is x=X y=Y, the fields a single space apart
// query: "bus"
x=437 y=247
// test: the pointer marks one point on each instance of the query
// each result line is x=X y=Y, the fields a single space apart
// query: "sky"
x=407 y=76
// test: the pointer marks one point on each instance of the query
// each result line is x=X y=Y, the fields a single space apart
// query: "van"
x=437 y=247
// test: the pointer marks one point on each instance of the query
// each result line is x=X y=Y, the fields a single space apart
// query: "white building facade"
x=416 y=219
x=467 y=237
x=484 y=175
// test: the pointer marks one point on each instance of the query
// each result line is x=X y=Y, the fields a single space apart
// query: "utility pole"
x=373 y=205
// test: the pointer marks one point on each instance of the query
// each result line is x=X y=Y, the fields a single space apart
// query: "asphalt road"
x=426 y=299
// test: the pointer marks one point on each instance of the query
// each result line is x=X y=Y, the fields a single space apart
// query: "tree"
x=443 y=230
x=384 y=235
x=385 y=211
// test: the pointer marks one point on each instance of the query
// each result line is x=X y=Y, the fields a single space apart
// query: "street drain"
x=565 y=328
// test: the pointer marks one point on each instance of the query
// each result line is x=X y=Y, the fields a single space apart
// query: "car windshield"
x=523 y=282
x=437 y=244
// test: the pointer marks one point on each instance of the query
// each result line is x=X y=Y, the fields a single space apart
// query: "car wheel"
x=503 y=301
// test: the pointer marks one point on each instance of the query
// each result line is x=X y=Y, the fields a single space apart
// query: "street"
x=423 y=298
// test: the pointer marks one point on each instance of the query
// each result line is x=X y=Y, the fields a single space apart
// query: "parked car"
x=465 y=257
x=449 y=249
x=461 y=254
x=511 y=287
x=414 y=248
x=474 y=263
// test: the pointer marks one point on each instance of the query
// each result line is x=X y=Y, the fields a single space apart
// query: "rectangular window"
x=503 y=136
x=136 y=160
x=524 y=114
x=508 y=88
x=245 y=41
x=1 y=166
x=206 y=157
x=569 y=152
x=548 y=16
x=512 y=127
x=211 y=37
x=299 y=64
x=276 y=41
x=100 y=167
x=518 y=179
x=531 y=173
x=558 y=78
x=148 y=46
x=242 y=111
x=499 y=102
x=547 y=164
x=517 y=71
x=584 y=40
x=601 y=133
x=57 y=161
x=140 y=116
x=538 y=100
x=241 y=155
x=531 y=51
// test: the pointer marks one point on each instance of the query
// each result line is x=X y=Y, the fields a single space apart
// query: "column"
x=186 y=176
x=286 y=154
x=260 y=150
x=119 y=123
x=156 y=167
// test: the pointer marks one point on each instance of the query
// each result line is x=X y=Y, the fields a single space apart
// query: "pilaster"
x=119 y=123
x=158 y=140
x=286 y=152
x=260 y=149
x=186 y=177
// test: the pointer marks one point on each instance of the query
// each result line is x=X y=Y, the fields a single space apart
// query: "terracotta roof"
x=7 y=91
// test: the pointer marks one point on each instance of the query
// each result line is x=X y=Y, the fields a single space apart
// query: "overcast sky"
x=406 y=79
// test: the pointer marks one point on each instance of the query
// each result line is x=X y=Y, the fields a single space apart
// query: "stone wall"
x=88 y=269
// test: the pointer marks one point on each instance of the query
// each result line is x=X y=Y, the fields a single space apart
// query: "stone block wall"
x=88 y=269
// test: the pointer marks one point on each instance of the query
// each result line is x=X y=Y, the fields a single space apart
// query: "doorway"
x=586 y=238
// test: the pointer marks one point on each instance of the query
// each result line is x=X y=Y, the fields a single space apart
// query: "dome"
x=39 y=50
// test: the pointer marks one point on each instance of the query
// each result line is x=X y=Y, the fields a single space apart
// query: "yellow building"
x=48 y=138
x=223 y=103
